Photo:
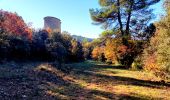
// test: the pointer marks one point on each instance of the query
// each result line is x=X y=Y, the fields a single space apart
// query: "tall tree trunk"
x=127 y=24
x=119 y=18
x=127 y=60
x=129 y=18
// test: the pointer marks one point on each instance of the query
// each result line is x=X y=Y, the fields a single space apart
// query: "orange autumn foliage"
x=122 y=50
x=97 y=53
x=110 y=51
x=150 y=63
x=13 y=24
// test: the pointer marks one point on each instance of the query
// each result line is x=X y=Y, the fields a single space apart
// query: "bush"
x=87 y=49
x=4 y=45
x=38 y=45
x=19 y=47
x=14 y=47
x=77 y=51
x=98 y=53
x=137 y=63
x=110 y=52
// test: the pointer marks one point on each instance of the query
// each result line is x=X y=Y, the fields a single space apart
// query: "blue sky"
x=74 y=14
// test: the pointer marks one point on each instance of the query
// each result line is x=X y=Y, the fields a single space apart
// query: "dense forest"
x=129 y=41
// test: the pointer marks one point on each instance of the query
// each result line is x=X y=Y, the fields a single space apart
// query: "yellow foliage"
x=97 y=52
x=109 y=51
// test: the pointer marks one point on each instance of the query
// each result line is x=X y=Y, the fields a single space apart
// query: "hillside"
x=81 y=38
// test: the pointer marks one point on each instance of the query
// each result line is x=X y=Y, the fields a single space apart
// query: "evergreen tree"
x=127 y=16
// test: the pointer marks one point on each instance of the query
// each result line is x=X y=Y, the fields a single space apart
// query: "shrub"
x=137 y=63
x=98 y=53
x=110 y=52
x=38 y=45
x=87 y=49
x=77 y=51
x=19 y=47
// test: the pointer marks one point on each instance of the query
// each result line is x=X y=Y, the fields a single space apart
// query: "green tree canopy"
x=107 y=33
x=126 y=16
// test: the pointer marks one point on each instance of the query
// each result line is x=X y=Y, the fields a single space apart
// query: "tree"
x=77 y=51
x=19 y=48
x=110 y=51
x=98 y=53
x=57 y=51
x=147 y=33
x=15 y=36
x=67 y=38
x=38 y=45
x=96 y=42
x=126 y=16
x=106 y=34
x=157 y=55
x=14 y=25
x=87 y=49
x=4 y=45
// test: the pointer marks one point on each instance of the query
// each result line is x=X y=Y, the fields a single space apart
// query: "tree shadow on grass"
x=45 y=83
x=111 y=96
x=121 y=80
x=90 y=72
x=61 y=88
x=94 y=66
x=110 y=66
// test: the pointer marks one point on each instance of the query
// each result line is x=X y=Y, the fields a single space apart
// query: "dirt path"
x=86 y=81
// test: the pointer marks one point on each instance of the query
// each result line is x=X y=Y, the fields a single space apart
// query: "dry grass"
x=86 y=81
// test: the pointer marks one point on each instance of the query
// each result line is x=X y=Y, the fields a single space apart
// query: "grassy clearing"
x=89 y=80
x=119 y=82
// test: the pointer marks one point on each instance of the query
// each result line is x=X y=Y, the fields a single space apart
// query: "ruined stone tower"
x=52 y=23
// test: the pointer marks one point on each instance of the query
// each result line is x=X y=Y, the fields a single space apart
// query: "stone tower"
x=53 y=23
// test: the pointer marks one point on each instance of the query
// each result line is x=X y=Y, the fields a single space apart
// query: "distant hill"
x=81 y=38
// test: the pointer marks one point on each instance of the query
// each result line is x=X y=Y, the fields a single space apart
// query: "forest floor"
x=88 y=80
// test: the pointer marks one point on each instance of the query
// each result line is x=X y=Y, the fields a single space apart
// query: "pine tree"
x=127 y=16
